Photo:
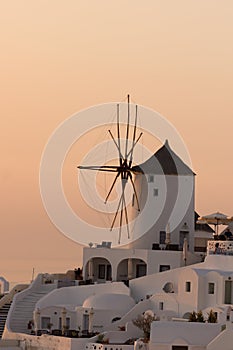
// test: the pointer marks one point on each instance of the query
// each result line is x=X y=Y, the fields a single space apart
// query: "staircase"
x=23 y=311
x=5 y=304
x=23 y=306
x=3 y=315
x=24 y=303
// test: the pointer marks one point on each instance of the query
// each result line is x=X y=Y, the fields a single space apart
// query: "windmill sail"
x=124 y=170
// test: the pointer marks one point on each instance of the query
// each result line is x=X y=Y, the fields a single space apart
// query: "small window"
x=211 y=288
x=156 y=192
x=161 y=305
x=101 y=274
x=150 y=178
x=188 y=286
x=164 y=268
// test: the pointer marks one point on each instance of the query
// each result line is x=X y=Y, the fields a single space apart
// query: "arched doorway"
x=131 y=268
x=99 y=270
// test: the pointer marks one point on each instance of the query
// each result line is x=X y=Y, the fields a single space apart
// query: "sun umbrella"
x=168 y=234
x=215 y=219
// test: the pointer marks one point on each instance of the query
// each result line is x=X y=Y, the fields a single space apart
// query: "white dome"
x=109 y=302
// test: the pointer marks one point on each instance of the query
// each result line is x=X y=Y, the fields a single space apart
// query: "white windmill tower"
x=165 y=186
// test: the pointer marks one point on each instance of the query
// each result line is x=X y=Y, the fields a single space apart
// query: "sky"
x=60 y=57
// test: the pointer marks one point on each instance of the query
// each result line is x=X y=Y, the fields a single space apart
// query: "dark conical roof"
x=165 y=162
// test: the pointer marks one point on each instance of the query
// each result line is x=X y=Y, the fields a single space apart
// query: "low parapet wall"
x=46 y=342
x=97 y=346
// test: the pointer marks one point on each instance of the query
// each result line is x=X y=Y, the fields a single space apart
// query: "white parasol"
x=168 y=234
x=215 y=219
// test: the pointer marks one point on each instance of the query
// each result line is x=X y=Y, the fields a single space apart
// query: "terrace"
x=220 y=247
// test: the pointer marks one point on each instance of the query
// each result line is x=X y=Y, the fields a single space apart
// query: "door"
x=85 y=322
x=109 y=273
x=140 y=270
x=228 y=292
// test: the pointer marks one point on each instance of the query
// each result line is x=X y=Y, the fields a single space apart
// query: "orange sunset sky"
x=58 y=57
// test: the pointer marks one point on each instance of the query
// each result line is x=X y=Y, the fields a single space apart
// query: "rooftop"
x=164 y=162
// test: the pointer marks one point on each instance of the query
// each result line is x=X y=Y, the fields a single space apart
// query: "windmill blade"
x=113 y=222
x=134 y=135
x=123 y=206
x=118 y=135
x=119 y=151
x=127 y=129
x=90 y=167
x=121 y=217
x=135 y=123
x=113 y=184
x=120 y=204
x=110 y=168
x=134 y=189
x=131 y=150
x=124 y=168
x=126 y=215
x=105 y=170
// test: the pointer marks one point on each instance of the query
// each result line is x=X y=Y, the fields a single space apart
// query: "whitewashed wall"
x=180 y=333
x=77 y=294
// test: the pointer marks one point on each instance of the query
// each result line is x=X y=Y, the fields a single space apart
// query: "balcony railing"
x=220 y=247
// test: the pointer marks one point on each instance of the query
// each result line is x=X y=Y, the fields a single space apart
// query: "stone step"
x=23 y=310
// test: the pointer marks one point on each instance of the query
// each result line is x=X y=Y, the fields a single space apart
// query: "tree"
x=212 y=318
x=144 y=321
x=193 y=316
x=200 y=317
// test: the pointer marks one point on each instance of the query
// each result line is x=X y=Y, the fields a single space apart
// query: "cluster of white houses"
x=153 y=273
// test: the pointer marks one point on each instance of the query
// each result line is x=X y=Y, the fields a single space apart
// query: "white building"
x=88 y=308
x=195 y=287
x=183 y=336
x=172 y=295
x=161 y=276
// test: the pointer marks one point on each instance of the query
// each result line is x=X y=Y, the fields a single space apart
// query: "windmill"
x=124 y=169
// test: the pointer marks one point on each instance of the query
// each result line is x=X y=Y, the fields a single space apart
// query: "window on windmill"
x=188 y=286
x=150 y=178
x=156 y=192
x=210 y=288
